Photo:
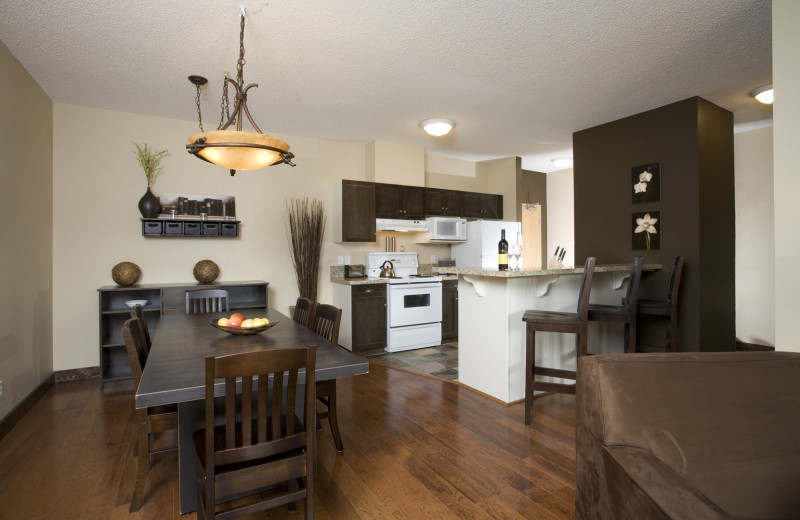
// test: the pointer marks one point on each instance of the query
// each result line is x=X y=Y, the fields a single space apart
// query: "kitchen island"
x=491 y=347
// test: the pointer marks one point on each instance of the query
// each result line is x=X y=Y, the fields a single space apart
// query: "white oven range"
x=414 y=302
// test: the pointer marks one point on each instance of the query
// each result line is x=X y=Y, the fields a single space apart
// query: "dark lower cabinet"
x=449 y=310
x=368 y=317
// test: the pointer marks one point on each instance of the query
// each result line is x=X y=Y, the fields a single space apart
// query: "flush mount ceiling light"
x=438 y=127
x=235 y=149
x=562 y=162
x=763 y=94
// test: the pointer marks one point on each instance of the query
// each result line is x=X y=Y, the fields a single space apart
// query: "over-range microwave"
x=447 y=229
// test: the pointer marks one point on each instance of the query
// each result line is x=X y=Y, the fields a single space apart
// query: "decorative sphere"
x=126 y=273
x=205 y=271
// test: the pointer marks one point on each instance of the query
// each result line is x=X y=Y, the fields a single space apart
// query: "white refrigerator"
x=479 y=251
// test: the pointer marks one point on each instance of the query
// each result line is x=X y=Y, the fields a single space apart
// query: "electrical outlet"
x=347 y=260
x=341 y=260
x=433 y=259
x=1 y=388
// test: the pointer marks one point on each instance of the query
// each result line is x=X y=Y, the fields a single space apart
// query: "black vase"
x=149 y=205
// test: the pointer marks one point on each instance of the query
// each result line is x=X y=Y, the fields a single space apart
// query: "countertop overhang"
x=525 y=273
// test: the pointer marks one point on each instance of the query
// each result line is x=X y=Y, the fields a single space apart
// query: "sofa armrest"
x=626 y=482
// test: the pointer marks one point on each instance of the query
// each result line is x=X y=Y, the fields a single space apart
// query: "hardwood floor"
x=415 y=448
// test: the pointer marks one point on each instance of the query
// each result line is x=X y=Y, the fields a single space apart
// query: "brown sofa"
x=688 y=436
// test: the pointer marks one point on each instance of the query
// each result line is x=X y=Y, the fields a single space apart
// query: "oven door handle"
x=416 y=285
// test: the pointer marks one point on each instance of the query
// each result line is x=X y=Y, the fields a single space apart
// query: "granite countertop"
x=337 y=275
x=526 y=273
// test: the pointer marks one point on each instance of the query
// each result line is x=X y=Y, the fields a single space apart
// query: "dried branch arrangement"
x=306 y=224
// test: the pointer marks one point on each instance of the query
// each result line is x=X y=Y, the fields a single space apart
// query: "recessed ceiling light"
x=438 y=127
x=763 y=94
x=562 y=162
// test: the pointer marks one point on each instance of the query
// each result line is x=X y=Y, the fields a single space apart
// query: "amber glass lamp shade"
x=237 y=150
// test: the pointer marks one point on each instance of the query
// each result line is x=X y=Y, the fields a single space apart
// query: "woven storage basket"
x=205 y=271
x=126 y=273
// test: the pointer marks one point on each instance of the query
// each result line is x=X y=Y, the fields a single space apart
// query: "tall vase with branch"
x=305 y=227
x=149 y=205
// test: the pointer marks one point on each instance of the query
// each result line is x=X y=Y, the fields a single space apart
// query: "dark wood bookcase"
x=248 y=297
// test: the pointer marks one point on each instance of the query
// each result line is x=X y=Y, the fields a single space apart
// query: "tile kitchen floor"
x=441 y=361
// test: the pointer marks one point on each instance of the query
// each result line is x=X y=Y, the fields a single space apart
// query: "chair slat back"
x=137 y=311
x=586 y=287
x=632 y=295
x=207 y=300
x=304 y=312
x=675 y=281
x=277 y=427
x=326 y=321
x=135 y=348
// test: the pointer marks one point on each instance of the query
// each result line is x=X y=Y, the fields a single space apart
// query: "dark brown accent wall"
x=693 y=142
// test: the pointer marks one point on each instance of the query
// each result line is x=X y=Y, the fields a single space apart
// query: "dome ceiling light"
x=235 y=149
x=763 y=94
x=438 y=127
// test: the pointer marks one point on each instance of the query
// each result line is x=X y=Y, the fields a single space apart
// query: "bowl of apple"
x=239 y=325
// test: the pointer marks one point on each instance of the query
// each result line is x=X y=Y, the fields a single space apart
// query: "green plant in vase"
x=149 y=159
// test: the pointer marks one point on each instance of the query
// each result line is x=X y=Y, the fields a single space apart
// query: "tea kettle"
x=387 y=272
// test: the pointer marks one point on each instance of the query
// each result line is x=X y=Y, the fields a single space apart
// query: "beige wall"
x=755 y=241
x=786 y=154
x=97 y=221
x=26 y=212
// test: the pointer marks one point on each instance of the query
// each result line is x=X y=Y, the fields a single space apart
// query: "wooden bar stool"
x=666 y=309
x=625 y=313
x=551 y=321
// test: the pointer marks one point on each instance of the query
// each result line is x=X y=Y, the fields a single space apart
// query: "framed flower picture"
x=646 y=230
x=646 y=183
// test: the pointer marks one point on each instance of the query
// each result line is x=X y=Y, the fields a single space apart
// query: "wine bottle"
x=502 y=252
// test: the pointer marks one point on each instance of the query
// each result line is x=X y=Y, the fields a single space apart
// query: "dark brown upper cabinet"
x=442 y=203
x=396 y=201
x=481 y=205
x=354 y=213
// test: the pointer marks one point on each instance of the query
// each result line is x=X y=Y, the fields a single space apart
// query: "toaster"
x=355 y=271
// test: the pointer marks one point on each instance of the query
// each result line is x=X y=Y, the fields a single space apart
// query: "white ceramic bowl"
x=131 y=303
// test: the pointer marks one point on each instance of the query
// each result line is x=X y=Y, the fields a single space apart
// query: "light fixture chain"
x=224 y=105
x=240 y=63
x=199 y=114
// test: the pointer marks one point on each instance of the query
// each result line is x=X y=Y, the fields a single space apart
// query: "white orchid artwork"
x=646 y=183
x=646 y=224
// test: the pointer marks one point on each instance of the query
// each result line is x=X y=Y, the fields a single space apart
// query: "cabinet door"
x=442 y=203
x=395 y=201
x=413 y=203
x=358 y=211
x=449 y=310
x=481 y=205
x=369 y=317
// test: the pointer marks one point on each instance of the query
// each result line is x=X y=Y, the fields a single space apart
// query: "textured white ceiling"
x=517 y=76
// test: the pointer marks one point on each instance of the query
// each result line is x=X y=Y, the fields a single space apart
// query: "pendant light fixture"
x=236 y=149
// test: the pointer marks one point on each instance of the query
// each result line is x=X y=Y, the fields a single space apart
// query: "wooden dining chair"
x=262 y=455
x=207 y=300
x=626 y=312
x=303 y=311
x=551 y=321
x=325 y=322
x=666 y=309
x=149 y=421
x=137 y=311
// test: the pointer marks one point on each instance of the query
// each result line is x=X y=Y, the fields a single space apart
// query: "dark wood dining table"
x=175 y=371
